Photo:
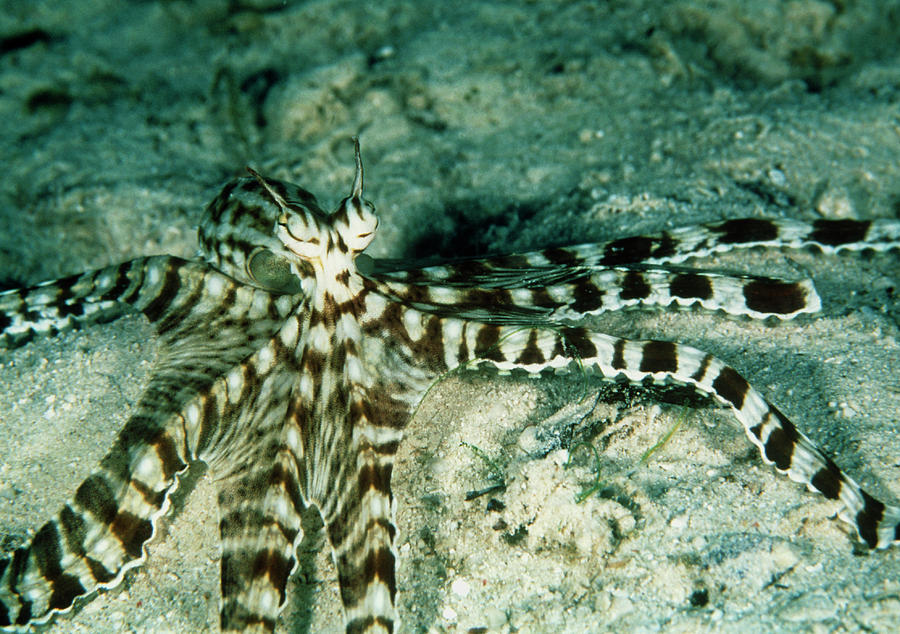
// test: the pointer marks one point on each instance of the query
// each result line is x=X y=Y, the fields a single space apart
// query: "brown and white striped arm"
x=551 y=266
x=292 y=375
x=779 y=441
x=536 y=350
x=612 y=289
x=260 y=506
x=174 y=294
x=207 y=325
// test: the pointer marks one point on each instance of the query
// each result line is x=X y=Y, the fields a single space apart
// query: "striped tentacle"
x=350 y=423
x=622 y=289
x=100 y=533
x=592 y=292
x=532 y=349
x=829 y=236
x=237 y=427
x=74 y=301
x=174 y=294
x=361 y=531
x=549 y=266
x=359 y=515
x=260 y=507
x=357 y=384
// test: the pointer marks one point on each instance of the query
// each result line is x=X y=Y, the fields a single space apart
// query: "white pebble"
x=460 y=587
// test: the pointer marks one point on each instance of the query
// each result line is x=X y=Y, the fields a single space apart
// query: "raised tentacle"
x=556 y=265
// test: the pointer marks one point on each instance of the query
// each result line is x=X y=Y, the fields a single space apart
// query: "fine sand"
x=497 y=126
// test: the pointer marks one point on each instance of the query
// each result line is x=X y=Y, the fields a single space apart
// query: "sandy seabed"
x=496 y=126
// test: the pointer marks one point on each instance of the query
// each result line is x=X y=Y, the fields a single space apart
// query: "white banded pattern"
x=292 y=375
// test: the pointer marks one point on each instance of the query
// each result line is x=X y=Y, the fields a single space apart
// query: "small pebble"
x=460 y=587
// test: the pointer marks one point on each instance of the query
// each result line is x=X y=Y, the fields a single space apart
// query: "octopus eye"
x=272 y=272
